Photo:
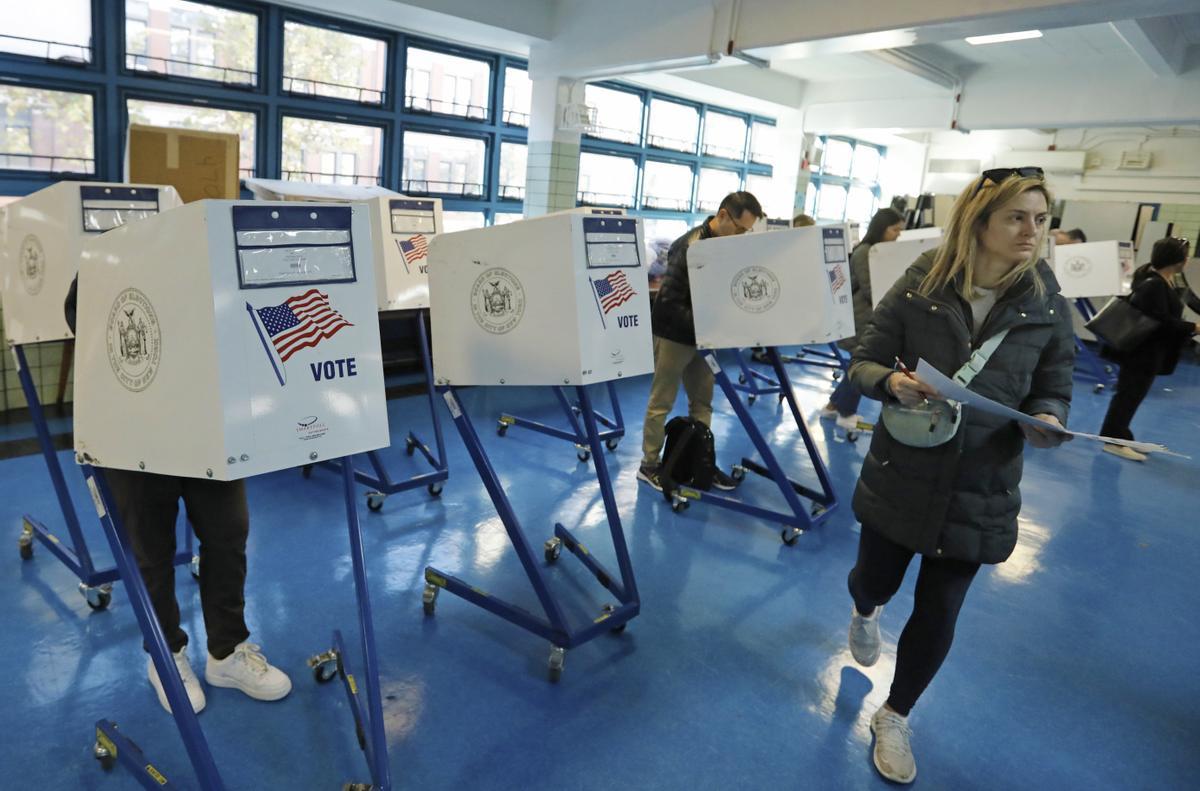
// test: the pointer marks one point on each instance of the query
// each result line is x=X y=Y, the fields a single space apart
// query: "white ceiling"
x=1088 y=42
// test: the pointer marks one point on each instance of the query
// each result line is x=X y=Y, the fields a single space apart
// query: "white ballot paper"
x=953 y=391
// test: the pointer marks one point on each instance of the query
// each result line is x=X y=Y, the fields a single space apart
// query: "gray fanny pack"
x=936 y=422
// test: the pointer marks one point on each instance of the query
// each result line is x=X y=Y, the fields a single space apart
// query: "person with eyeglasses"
x=676 y=359
x=985 y=297
x=1154 y=294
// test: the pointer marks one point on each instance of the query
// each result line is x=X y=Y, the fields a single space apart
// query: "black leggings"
x=941 y=587
x=1133 y=385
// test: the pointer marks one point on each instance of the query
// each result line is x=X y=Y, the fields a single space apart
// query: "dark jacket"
x=961 y=499
x=671 y=316
x=1158 y=354
x=860 y=291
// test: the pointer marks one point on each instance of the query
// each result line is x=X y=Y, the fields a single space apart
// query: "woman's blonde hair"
x=968 y=218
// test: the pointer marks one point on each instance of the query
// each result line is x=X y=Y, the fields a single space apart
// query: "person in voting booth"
x=676 y=359
x=1073 y=236
x=219 y=514
x=1155 y=294
x=885 y=226
x=941 y=480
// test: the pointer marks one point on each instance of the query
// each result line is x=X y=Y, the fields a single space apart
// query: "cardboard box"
x=197 y=164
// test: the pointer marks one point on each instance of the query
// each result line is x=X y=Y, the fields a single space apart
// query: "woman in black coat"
x=1155 y=295
x=955 y=503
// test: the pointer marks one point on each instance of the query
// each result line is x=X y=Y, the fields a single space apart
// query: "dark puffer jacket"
x=961 y=499
x=671 y=316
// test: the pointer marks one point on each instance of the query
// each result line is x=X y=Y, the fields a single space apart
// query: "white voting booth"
x=554 y=300
x=44 y=236
x=1093 y=269
x=771 y=289
x=401 y=230
x=888 y=261
x=227 y=339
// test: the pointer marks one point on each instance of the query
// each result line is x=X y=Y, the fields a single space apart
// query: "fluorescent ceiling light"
x=1000 y=37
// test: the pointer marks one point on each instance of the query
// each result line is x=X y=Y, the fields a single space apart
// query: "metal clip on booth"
x=45 y=234
x=790 y=294
x=525 y=280
x=259 y=297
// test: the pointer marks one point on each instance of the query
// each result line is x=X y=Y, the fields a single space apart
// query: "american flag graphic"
x=613 y=291
x=414 y=248
x=837 y=278
x=301 y=322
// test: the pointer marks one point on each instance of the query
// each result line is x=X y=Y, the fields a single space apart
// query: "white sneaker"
x=864 y=636
x=195 y=692
x=828 y=412
x=848 y=423
x=1124 y=452
x=248 y=670
x=893 y=753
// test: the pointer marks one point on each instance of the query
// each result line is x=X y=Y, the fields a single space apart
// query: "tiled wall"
x=44 y=360
x=1186 y=218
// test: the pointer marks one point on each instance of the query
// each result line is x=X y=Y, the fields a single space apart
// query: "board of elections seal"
x=33 y=265
x=1078 y=266
x=755 y=289
x=134 y=340
x=497 y=301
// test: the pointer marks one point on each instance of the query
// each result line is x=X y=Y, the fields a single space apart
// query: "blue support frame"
x=553 y=626
x=614 y=426
x=1087 y=362
x=111 y=745
x=381 y=482
x=95 y=584
x=797 y=518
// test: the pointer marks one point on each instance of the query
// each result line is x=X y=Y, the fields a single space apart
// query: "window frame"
x=18 y=175
x=257 y=86
x=389 y=38
x=819 y=178
x=495 y=80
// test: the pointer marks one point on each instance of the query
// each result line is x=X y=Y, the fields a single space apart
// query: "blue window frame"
x=845 y=185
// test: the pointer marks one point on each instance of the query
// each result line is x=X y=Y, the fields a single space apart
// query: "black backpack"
x=689 y=458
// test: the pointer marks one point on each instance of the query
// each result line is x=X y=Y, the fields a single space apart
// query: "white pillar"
x=552 y=169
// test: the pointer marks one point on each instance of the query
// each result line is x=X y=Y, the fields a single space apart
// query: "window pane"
x=208 y=119
x=462 y=220
x=46 y=130
x=618 y=114
x=715 y=184
x=312 y=151
x=810 y=199
x=866 y=163
x=668 y=186
x=831 y=202
x=443 y=164
x=518 y=94
x=191 y=40
x=837 y=158
x=56 y=30
x=724 y=136
x=322 y=62
x=763 y=143
x=763 y=188
x=860 y=206
x=606 y=181
x=447 y=84
x=673 y=126
x=505 y=217
x=512 y=171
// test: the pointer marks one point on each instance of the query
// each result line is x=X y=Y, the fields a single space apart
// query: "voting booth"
x=888 y=261
x=1093 y=269
x=44 y=236
x=241 y=337
x=551 y=301
x=222 y=340
x=500 y=294
x=770 y=289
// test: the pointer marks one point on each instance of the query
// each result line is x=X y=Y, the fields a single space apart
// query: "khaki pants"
x=675 y=363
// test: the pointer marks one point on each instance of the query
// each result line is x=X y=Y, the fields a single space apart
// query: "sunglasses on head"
x=996 y=175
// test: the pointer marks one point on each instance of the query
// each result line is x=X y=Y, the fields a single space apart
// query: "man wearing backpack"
x=676 y=359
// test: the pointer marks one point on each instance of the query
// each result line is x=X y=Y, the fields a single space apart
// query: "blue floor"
x=1073 y=668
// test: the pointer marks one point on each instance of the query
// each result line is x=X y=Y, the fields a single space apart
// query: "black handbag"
x=1121 y=325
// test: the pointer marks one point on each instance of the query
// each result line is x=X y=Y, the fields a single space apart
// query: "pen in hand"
x=900 y=366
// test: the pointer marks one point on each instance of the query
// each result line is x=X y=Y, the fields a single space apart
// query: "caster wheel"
x=306 y=470
x=851 y=436
x=612 y=443
x=194 y=567
x=434 y=489
x=100 y=753
x=837 y=375
x=375 y=501
x=325 y=667
x=1098 y=389
x=583 y=454
x=741 y=379
x=790 y=536
x=738 y=472
x=99 y=597
x=552 y=549
x=501 y=428
x=410 y=447
x=616 y=629
x=679 y=504
x=26 y=549
x=555 y=666
x=429 y=599
x=750 y=400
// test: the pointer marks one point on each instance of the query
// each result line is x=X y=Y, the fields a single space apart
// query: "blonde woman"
x=984 y=295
